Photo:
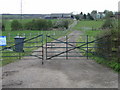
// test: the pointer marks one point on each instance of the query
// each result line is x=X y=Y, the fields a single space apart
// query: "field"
x=92 y=29
x=27 y=34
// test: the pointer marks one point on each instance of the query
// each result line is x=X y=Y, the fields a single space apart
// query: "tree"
x=29 y=26
x=94 y=12
x=90 y=17
x=77 y=17
x=3 y=27
x=61 y=24
x=106 y=11
x=39 y=24
x=81 y=13
x=109 y=14
x=49 y=24
x=84 y=16
x=15 y=25
x=108 y=24
x=66 y=24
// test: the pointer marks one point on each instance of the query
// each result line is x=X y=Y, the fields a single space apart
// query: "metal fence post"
x=42 y=51
x=66 y=47
x=19 y=55
x=46 y=47
x=9 y=36
x=87 y=46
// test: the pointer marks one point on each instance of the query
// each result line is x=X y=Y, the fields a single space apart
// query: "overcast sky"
x=56 y=6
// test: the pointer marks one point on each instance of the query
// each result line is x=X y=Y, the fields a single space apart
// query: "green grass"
x=87 y=26
x=90 y=24
x=28 y=34
x=111 y=63
x=7 y=23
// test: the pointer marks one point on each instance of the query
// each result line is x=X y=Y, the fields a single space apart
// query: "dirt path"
x=58 y=73
x=73 y=54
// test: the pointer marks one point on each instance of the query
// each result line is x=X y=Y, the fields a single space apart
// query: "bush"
x=108 y=24
x=66 y=23
x=3 y=27
x=15 y=25
x=62 y=24
x=40 y=24
x=110 y=42
x=104 y=44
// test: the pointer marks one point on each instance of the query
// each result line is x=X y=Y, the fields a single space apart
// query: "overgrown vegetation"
x=110 y=39
x=35 y=24
x=108 y=31
x=62 y=24
x=3 y=27
x=40 y=24
x=16 y=25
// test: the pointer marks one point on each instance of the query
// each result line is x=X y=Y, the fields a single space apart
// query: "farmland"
x=90 y=28
x=93 y=30
x=27 y=34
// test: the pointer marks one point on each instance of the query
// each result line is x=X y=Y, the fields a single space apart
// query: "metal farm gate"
x=32 y=48
x=67 y=49
x=53 y=47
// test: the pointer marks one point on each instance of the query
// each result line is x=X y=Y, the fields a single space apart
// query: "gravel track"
x=30 y=73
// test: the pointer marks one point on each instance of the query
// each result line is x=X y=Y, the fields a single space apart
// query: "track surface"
x=30 y=73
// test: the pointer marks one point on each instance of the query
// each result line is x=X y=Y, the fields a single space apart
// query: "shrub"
x=3 y=27
x=62 y=24
x=15 y=25
x=108 y=24
x=40 y=24
x=104 y=44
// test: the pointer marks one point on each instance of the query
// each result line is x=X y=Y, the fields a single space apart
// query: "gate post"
x=42 y=51
x=66 y=47
x=46 y=47
x=87 y=46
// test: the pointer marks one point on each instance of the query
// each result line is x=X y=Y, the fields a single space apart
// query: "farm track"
x=58 y=73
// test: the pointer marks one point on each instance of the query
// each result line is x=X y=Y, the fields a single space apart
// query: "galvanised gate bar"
x=53 y=47
x=67 y=49
x=32 y=49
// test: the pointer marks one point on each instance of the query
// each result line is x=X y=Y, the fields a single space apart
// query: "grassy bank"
x=92 y=30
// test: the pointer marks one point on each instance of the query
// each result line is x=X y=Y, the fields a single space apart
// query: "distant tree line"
x=39 y=24
x=84 y=16
x=94 y=15
x=16 y=25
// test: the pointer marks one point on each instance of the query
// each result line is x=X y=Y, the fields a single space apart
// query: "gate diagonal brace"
x=64 y=42
x=74 y=46
x=22 y=42
x=61 y=41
